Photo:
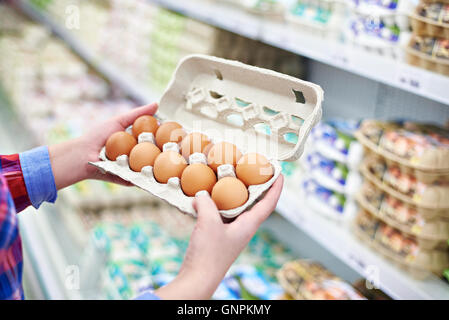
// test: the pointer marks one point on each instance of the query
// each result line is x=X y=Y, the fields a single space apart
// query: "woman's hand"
x=214 y=246
x=69 y=160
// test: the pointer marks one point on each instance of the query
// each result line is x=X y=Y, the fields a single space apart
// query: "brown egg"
x=223 y=153
x=168 y=164
x=194 y=142
x=207 y=148
x=254 y=168
x=119 y=143
x=145 y=124
x=143 y=154
x=229 y=193
x=197 y=177
x=169 y=132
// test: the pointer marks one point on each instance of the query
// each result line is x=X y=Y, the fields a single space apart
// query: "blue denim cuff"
x=147 y=295
x=38 y=176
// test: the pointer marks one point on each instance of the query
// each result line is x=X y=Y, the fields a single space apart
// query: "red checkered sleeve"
x=12 y=171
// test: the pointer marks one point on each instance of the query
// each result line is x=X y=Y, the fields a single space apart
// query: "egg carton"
x=433 y=197
x=431 y=233
x=425 y=61
x=423 y=26
x=432 y=161
x=420 y=265
x=226 y=100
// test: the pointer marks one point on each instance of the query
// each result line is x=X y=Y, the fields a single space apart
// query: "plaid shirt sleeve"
x=11 y=260
x=12 y=171
x=25 y=179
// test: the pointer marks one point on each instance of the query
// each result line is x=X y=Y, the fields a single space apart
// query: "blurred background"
x=360 y=215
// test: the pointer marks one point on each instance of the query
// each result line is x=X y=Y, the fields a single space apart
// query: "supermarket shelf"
x=355 y=60
x=339 y=240
x=132 y=89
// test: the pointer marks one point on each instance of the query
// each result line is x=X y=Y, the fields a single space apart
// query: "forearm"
x=190 y=286
x=69 y=162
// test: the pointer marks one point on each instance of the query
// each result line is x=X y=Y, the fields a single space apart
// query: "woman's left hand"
x=69 y=160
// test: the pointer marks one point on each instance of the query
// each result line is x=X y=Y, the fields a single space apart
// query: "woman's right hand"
x=215 y=245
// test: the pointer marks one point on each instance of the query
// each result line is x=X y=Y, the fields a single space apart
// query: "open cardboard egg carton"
x=225 y=100
x=430 y=227
x=417 y=261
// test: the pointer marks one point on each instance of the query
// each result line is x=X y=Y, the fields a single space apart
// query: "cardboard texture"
x=420 y=265
x=226 y=100
x=432 y=197
x=432 y=232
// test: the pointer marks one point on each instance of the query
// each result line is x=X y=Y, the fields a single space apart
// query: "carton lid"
x=257 y=109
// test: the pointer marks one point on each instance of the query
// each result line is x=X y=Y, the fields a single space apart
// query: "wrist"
x=190 y=285
x=69 y=162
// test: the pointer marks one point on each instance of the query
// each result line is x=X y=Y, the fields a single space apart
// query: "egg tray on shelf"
x=434 y=197
x=431 y=230
x=207 y=94
x=424 y=26
x=425 y=61
x=420 y=264
x=430 y=164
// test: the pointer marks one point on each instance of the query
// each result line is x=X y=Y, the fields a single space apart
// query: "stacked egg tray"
x=406 y=189
x=209 y=96
x=428 y=47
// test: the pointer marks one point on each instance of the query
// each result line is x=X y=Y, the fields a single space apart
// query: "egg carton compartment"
x=431 y=230
x=420 y=263
x=256 y=109
x=433 y=197
x=424 y=26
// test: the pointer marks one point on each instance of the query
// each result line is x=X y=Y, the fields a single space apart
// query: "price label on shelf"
x=412 y=79
x=340 y=56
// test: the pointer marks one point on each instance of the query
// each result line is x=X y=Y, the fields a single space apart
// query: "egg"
x=119 y=143
x=229 y=193
x=254 y=168
x=207 y=148
x=169 y=132
x=223 y=153
x=197 y=177
x=168 y=164
x=143 y=154
x=194 y=142
x=144 y=124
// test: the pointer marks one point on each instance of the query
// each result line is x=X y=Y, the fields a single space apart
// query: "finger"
x=128 y=118
x=206 y=209
x=261 y=210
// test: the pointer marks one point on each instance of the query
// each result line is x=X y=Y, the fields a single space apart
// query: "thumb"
x=206 y=209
